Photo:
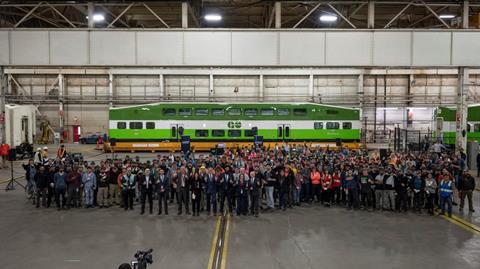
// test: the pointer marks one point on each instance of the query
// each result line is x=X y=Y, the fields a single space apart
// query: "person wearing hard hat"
x=45 y=155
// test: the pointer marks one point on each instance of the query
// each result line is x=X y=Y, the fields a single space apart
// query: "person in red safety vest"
x=326 y=188
x=336 y=187
x=4 y=149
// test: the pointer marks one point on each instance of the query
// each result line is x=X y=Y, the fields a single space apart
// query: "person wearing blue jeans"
x=89 y=181
x=446 y=192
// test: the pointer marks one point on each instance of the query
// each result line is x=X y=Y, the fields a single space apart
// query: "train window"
x=169 y=112
x=218 y=133
x=234 y=133
x=234 y=112
x=476 y=127
x=174 y=131
x=150 y=125
x=266 y=112
x=201 y=111
x=346 y=125
x=185 y=111
x=249 y=133
x=318 y=125
x=468 y=127
x=332 y=112
x=251 y=112
x=218 y=112
x=283 y=112
x=135 y=125
x=299 y=111
x=201 y=133
x=333 y=125
x=121 y=125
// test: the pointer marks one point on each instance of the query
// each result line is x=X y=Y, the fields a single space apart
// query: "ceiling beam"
x=308 y=14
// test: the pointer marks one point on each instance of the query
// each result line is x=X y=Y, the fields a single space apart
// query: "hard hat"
x=38 y=149
x=44 y=148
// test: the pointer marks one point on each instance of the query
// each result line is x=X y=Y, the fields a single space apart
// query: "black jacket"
x=41 y=180
x=466 y=183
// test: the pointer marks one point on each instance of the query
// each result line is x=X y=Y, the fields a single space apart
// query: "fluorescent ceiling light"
x=328 y=18
x=447 y=16
x=98 y=17
x=213 y=17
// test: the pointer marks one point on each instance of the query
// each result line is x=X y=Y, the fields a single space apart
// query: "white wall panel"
x=466 y=48
x=30 y=47
x=349 y=48
x=112 y=48
x=431 y=48
x=392 y=48
x=4 y=48
x=299 y=48
x=160 y=48
x=69 y=48
x=207 y=48
x=254 y=48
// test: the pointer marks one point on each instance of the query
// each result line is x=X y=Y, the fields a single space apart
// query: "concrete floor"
x=311 y=237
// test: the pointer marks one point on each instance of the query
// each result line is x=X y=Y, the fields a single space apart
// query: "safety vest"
x=446 y=189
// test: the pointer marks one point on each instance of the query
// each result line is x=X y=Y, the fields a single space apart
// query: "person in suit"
x=163 y=189
x=128 y=183
x=255 y=191
x=241 y=188
x=196 y=186
x=146 y=182
x=221 y=189
x=211 y=192
x=182 y=186
x=230 y=182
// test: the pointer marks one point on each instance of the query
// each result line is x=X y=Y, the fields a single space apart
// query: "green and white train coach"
x=145 y=126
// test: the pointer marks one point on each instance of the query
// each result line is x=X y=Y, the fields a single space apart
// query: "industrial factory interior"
x=235 y=134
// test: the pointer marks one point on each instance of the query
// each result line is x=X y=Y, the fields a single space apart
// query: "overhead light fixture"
x=213 y=17
x=447 y=16
x=328 y=18
x=97 y=17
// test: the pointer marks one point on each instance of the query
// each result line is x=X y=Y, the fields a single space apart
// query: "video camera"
x=142 y=259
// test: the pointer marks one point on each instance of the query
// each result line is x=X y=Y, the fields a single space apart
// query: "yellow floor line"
x=214 y=243
x=462 y=223
x=225 y=243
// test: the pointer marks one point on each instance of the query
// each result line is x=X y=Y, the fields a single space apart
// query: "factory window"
x=218 y=112
x=234 y=112
x=318 y=125
x=332 y=112
x=185 y=111
x=249 y=133
x=201 y=133
x=266 y=112
x=333 y=125
x=218 y=133
x=251 y=112
x=150 y=125
x=201 y=111
x=283 y=112
x=299 y=111
x=476 y=127
x=169 y=112
x=121 y=125
x=135 y=125
x=346 y=125
x=234 y=133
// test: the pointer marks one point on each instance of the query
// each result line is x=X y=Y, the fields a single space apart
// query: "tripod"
x=11 y=184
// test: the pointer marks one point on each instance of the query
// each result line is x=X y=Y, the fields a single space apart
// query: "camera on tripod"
x=142 y=259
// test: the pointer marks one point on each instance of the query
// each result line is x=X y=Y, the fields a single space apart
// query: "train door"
x=176 y=131
x=283 y=131
x=24 y=135
x=439 y=129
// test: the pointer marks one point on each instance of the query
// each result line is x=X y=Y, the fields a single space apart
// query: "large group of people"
x=247 y=181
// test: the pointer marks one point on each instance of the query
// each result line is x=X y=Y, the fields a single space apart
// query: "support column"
x=60 y=103
x=465 y=12
x=211 y=91
x=261 y=88
x=161 y=86
x=361 y=102
x=462 y=109
x=110 y=89
x=91 y=11
x=278 y=14
x=184 y=14
x=3 y=88
x=310 y=88
x=371 y=14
